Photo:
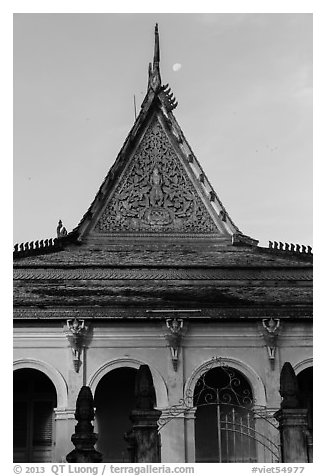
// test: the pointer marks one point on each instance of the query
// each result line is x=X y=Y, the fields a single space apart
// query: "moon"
x=176 y=66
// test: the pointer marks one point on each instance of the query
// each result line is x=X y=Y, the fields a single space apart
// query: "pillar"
x=144 y=442
x=64 y=420
x=293 y=427
x=173 y=434
x=293 y=422
x=190 y=416
x=267 y=437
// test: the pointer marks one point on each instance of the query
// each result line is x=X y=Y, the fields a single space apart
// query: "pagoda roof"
x=220 y=282
x=165 y=255
x=157 y=236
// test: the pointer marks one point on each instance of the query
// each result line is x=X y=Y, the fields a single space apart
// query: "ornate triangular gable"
x=155 y=193
x=156 y=186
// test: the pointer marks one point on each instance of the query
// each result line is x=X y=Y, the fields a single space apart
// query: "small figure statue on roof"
x=61 y=230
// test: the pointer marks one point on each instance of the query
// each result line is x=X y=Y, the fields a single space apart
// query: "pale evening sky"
x=244 y=87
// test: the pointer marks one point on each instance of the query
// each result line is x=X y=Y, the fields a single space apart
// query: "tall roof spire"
x=154 y=72
x=156 y=60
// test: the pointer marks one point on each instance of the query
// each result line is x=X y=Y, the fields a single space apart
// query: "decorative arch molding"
x=258 y=388
x=159 y=384
x=52 y=373
x=302 y=365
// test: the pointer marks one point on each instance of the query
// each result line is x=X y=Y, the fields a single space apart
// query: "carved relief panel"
x=155 y=193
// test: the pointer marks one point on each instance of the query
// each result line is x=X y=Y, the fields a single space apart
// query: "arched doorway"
x=305 y=383
x=33 y=413
x=224 y=424
x=114 y=400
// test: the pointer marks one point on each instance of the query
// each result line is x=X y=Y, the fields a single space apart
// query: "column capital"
x=292 y=417
x=264 y=412
x=178 y=411
x=145 y=418
x=64 y=413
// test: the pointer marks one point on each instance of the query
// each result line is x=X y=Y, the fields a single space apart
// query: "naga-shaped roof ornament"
x=169 y=100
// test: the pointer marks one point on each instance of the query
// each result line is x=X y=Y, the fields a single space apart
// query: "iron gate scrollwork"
x=229 y=426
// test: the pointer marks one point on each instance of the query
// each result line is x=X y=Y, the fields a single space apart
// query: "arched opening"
x=305 y=383
x=224 y=424
x=114 y=400
x=33 y=413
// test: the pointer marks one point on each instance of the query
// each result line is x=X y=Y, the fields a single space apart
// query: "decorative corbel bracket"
x=271 y=329
x=174 y=338
x=76 y=333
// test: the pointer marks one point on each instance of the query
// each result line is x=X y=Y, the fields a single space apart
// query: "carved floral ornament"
x=155 y=194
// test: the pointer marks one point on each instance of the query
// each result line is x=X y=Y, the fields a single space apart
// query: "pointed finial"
x=289 y=389
x=154 y=72
x=156 y=60
x=84 y=437
x=144 y=389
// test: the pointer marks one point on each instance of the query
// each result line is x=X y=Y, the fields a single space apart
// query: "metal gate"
x=229 y=427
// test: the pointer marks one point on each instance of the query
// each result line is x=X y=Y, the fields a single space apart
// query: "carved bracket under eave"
x=174 y=337
x=271 y=330
x=77 y=333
